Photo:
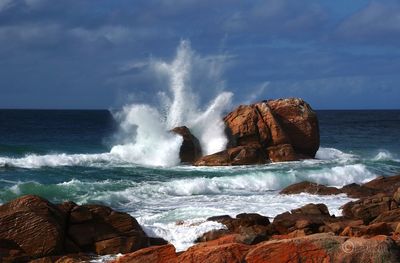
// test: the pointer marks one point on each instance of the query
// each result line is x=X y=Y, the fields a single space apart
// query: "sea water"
x=128 y=159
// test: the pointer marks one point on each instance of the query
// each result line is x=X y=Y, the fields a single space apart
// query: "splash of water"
x=148 y=126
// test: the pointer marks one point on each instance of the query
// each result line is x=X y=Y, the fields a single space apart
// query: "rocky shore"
x=33 y=229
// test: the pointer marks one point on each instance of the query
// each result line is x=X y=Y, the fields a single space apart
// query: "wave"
x=254 y=181
x=333 y=154
x=147 y=128
x=130 y=154
x=55 y=160
x=384 y=155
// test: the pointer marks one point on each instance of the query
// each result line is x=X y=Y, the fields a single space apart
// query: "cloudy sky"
x=93 y=54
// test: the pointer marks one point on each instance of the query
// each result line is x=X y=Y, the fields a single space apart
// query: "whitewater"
x=64 y=155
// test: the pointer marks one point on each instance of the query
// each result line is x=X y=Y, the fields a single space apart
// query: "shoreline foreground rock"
x=269 y=131
x=34 y=230
x=32 y=227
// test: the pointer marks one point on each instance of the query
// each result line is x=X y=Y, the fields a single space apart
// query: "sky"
x=92 y=54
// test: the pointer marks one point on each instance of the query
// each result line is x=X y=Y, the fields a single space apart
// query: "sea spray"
x=151 y=142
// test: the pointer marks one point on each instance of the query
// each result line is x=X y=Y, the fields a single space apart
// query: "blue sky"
x=90 y=54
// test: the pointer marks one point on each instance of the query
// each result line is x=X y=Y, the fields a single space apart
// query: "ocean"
x=89 y=156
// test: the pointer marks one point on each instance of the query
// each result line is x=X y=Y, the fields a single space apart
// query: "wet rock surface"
x=33 y=228
x=269 y=131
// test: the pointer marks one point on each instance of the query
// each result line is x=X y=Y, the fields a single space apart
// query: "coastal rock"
x=190 y=149
x=105 y=231
x=34 y=224
x=299 y=122
x=250 y=228
x=240 y=155
x=281 y=153
x=241 y=220
x=358 y=191
x=385 y=184
x=388 y=216
x=324 y=248
x=274 y=130
x=155 y=254
x=34 y=228
x=339 y=226
x=211 y=253
x=246 y=127
x=370 y=230
x=369 y=208
x=311 y=188
x=308 y=218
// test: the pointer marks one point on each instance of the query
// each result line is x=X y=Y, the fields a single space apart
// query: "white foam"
x=181 y=234
x=54 y=160
x=148 y=127
x=385 y=155
x=333 y=154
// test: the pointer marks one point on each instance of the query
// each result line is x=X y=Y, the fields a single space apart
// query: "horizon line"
x=108 y=109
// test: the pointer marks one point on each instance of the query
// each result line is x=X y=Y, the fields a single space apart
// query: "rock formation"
x=31 y=227
x=269 y=131
x=190 y=150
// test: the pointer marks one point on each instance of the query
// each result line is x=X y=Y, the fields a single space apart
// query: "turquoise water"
x=65 y=155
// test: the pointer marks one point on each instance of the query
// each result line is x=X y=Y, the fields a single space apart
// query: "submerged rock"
x=310 y=188
x=269 y=131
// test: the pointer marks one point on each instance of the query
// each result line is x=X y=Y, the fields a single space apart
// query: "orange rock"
x=370 y=230
x=156 y=254
x=289 y=250
x=246 y=127
x=232 y=253
x=276 y=130
x=325 y=248
x=277 y=134
x=281 y=153
x=299 y=122
x=240 y=155
x=33 y=223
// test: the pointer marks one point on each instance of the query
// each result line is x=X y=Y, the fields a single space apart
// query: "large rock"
x=34 y=225
x=190 y=149
x=384 y=184
x=99 y=229
x=268 y=131
x=211 y=253
x=310 y=218
x=325 y=248
x=156 y=254
x=300 y=123
x=367 y=209
x=33 y=228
